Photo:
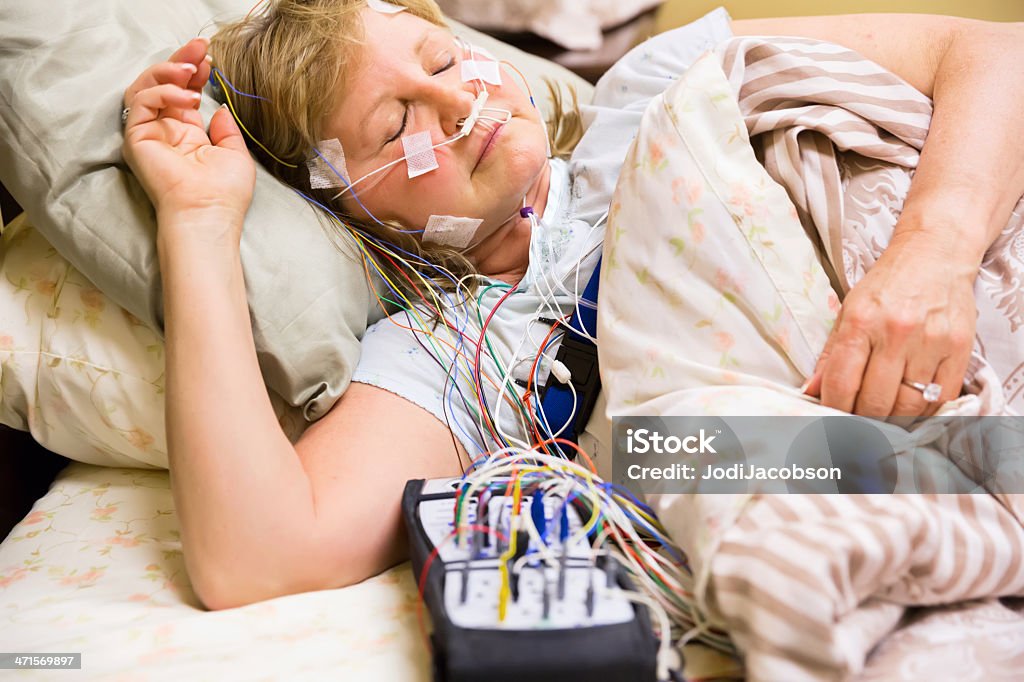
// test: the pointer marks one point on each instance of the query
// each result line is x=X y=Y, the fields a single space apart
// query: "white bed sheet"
x=97 y=568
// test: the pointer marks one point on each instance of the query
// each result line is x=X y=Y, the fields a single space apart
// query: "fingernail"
x=205 y=40
x=208 y=59
x=803 y=389
x=191 y=68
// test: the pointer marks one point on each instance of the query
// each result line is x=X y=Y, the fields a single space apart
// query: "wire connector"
x=561 y=372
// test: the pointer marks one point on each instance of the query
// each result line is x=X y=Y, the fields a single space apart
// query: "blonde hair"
x=293 y=55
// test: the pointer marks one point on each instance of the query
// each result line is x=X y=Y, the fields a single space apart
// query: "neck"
x=505 y=255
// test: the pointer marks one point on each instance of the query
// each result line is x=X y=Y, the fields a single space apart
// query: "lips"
x=488 y=145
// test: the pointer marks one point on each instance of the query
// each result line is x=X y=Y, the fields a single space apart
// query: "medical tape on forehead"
x=488 y=72
x=384 y=7
x=452 y=231
x=419 y=154
x=327 y=169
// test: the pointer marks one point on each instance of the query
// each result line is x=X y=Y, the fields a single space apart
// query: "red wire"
x=479 y=351
x=533 y=371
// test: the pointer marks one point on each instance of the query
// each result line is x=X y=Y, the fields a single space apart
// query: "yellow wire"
x=238 y=120
x=505 y=592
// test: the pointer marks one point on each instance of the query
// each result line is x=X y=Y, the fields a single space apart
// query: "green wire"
x=494 y=356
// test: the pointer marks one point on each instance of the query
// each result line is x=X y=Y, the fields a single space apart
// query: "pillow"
x=84 y=375
x=64 y=65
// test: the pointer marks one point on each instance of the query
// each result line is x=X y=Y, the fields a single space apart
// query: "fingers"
x=949 y=375
x=187 y=68
x=813 y=385
x=164 y=73
x=195 y=52
x=167 y=99
x=224 y=132
x=843 y=372
x=881 y=384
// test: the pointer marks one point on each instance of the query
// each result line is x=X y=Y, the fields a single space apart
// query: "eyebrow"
x=418 y=50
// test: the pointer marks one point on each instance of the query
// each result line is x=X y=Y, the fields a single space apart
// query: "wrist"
x=956 y=224
x=957 y=238
x=928 y=256
x=211 y=226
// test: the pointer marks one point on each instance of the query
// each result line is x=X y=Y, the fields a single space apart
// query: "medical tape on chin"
x=384 y=7
x=419 y=154
x=448 y=230
x=488 y=72
x=325 y=167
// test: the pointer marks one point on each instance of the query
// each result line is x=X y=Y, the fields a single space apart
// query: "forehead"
x=391 y=37
x=391 y=44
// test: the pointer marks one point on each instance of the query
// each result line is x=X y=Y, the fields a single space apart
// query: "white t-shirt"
x=563 y=253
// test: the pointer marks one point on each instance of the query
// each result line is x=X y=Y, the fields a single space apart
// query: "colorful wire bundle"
x=452 y=327
x=618 y=526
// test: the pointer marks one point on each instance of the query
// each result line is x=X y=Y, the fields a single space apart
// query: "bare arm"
x=972 y=167
x=913 y=315
x=260 y=518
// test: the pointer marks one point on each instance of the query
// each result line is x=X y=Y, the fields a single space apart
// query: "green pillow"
x=64 y=65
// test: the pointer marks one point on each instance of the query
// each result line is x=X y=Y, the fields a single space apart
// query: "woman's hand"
x=912 y=317
x=183 y=169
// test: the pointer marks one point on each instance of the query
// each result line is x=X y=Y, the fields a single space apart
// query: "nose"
x=453 y=102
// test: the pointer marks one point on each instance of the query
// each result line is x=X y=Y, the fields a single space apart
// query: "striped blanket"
x=762 y=186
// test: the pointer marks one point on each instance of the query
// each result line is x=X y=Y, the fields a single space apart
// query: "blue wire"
x=233 y=89
x=460 y=344
x=349 y=187
x=539 y=408
x=453 y=383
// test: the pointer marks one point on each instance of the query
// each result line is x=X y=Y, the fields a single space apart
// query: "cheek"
x=413 y=201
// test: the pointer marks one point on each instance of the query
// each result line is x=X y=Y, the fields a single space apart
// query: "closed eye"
x=405 y=119
x=405 y=114
x=450 y=64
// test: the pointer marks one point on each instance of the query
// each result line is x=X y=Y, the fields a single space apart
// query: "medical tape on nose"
x=475 y=70
x=327 y=169
x=384 y=7
x=419 y=154
x=448 y=230
x=474 y=50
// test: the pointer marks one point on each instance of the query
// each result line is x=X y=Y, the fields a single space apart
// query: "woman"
x=263 y=518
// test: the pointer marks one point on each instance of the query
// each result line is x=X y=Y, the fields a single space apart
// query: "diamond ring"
x=931 y=392
x=124 y=115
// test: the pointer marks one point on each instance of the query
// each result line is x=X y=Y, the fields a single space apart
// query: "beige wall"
x=679 y=12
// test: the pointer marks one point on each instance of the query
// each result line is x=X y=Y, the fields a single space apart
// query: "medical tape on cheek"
x=327 y=169
x=448 y=230
x=384 y=7
x=475 y=70
x=419 y=154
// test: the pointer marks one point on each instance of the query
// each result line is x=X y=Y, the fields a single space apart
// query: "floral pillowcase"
x=82 y=374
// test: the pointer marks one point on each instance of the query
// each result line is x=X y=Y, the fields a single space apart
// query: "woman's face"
x=407 y=80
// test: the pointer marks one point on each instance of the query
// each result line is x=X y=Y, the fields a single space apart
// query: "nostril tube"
x=470 y=121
